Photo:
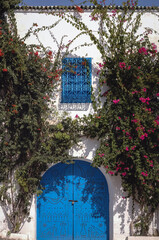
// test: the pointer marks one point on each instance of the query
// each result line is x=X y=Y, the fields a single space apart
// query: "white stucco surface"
x=120 y=207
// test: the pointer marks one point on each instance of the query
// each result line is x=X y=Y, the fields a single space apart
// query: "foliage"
x=127 y=123
x=8 y=5
x=31 y=136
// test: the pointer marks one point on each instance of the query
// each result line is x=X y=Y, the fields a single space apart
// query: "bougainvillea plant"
x=127 y=122
x=29 y=139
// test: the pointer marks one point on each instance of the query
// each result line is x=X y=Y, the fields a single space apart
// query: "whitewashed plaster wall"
x=120 y=207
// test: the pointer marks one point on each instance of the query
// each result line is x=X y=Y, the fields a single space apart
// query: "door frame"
x=110 y=192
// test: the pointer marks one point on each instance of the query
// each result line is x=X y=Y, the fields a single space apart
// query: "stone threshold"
x=143 y=238
x=13 y=236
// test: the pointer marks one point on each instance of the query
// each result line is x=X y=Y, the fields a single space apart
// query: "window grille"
x=76 y=80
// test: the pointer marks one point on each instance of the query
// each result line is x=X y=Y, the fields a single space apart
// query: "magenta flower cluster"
x=122 y=65
x=143 y=50
x=116 y=101
x=145 y=100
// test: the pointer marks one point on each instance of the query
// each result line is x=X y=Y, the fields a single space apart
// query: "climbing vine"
x=126 y=117
x=31 y=135
x=126 y=114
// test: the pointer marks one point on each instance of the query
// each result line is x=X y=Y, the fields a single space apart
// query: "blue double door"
x=74 y=204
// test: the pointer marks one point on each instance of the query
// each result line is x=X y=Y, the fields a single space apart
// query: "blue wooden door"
x=74 y=204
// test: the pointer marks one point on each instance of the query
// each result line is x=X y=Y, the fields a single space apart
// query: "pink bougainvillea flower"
x=36 y=53
x=50 y=53
x=143 y=50
x=126 y=168
x=127 y=149
x=134 y=120
x=118 y=168
x=143 y=136
x=98 y=71
x=133 y=148
x=151 y=130
x=148 y=109
x=1 y=53
x=105 y=93
x=123 y=174
x=129 y=67
x=157 y=121
x=157 y=94
x=144 y=174
x=144 y=90
x=110 y=172
x=122 y=65
x=46 y=97
x=101 y=154
x=117 y=128
x=122 y=163
x=114 y=12
x=101 y=65
x=119 y=117
x=76 y=116
x=116 y=101
x=134 y=92
x=15 y=111
x=154 y=46
x=145 y=156
x=143 y=100
x=79 y=9
x=94 y=17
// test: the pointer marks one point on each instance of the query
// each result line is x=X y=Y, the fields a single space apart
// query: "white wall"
x=120 y=208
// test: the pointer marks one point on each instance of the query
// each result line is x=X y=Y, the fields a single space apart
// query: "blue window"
x=76 y=80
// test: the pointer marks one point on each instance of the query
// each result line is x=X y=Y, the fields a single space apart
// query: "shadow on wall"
x=86 y=148
x=120 y=206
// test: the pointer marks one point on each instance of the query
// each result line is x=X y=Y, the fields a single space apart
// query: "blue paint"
x=74 y=204
x=76 y=80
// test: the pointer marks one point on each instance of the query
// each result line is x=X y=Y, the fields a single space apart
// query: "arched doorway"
x=74 y=204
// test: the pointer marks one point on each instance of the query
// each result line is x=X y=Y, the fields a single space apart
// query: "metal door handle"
x=72 y=201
